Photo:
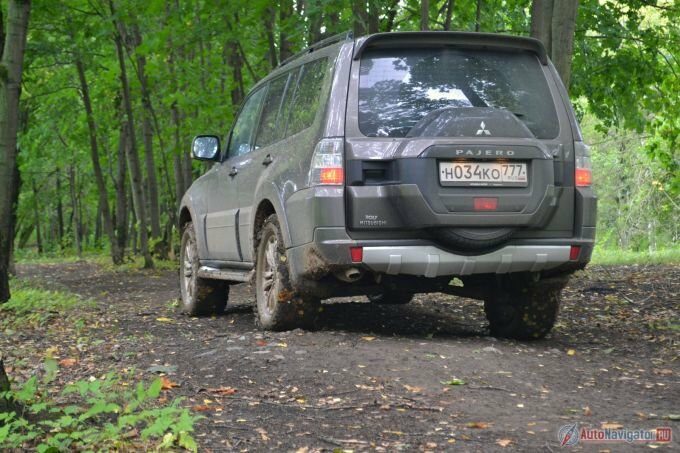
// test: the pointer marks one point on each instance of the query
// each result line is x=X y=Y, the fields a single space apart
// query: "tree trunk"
x=16 y=186
x=553 y=23
x=60 y=211
x=424 y=15
x=116 y=255
x=285 y=13
x=5 y=404
x=478 y=16
x=77 y=237
x=36 y=218
x=270 y=23
x=147 y=131
x=11 y=68
x=360 y=14
x=373 y=16
x=563 y=26
x=133 y=156
x=541 y=22
x=121 y=200
x=449 y=14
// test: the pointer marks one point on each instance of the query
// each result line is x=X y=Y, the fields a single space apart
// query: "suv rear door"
x=422 y=104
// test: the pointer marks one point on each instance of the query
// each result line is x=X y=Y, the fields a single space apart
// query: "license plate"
x=483 y=174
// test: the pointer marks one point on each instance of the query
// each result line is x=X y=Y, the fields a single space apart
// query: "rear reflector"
x=574 y=252
x=331 y=176
x=357 y=254
x=486 y=204
x=584 y=177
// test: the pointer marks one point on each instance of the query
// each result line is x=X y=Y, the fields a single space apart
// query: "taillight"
x=327 y=163
x=583 y=173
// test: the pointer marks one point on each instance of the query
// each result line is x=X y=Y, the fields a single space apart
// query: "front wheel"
x=278 y=307
x=199 y=296
x=522 y=310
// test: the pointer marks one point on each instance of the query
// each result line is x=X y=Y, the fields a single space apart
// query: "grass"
x=626 y=257
x=97 y=257
x=30 y=306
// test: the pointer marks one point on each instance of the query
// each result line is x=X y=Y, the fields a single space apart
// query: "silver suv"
x=386 y=166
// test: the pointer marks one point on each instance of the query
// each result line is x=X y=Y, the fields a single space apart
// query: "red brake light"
x=486 y=204
x=332 y=176
x=584 y=177
x=357 y=254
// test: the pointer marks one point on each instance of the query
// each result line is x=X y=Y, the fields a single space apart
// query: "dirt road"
x=378 y=378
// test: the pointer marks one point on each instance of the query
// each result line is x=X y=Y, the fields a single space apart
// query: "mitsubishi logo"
x=483 y=130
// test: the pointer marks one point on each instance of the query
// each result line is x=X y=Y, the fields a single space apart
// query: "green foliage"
x=33 y=307
x=95 y=414
x=201 y=58
x=637 y=207
x=605 y=256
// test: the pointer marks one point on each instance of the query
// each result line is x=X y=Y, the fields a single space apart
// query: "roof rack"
x=345 y=36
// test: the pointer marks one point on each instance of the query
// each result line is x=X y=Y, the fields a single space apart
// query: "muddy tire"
x=521 y=310
x=278 y=307
x=199 y=296
x=391 y=298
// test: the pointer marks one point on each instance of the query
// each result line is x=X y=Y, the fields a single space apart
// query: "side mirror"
x=206 y=147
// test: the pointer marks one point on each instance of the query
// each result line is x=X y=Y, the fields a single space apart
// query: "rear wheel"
x=199 y=296
x=391 y=298
x=521 y=310
x=278 y=307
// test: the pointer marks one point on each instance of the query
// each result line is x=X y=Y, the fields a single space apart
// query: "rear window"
x=399 y=87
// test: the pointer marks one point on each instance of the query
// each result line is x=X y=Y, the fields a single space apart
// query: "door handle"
x=267 y=160
x=233 y=172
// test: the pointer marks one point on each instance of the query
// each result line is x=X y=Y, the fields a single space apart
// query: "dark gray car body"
x=392 y=219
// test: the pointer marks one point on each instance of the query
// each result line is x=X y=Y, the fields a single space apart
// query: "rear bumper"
x=330 y=251
x=430 y=261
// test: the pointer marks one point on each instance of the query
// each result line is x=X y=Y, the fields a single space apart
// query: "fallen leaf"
x=571 y=352
x=430 y=445
x=263 y=434
x=587 y=412
x=504 y=442
x=478 y=425
x=67 y=362
x=454 y=381
x=167 y=384
x=611 y=426
x=261 y=343
x=368 y=338
x=163 y=319
x=200 y=408
x=223 y=391
x=413 y=389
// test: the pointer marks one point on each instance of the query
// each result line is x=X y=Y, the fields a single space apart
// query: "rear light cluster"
x=327 y=163
x=583 y=174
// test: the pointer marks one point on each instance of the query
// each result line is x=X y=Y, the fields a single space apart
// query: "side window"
x=242 y=136
x=268 y=132
x=307 y=96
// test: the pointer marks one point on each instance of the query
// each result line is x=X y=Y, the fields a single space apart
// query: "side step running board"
x=234 y=275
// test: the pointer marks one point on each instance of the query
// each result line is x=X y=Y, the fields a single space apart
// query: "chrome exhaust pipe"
x=350 y=275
